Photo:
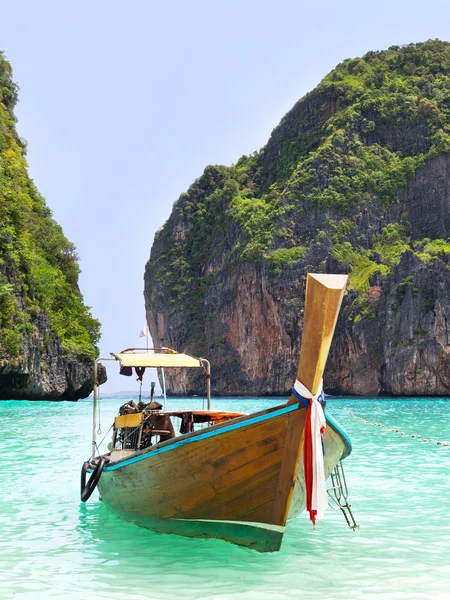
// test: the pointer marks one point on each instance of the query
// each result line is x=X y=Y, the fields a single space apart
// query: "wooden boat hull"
x=239 y=481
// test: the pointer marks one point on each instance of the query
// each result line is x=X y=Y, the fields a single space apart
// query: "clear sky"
x=123 y=104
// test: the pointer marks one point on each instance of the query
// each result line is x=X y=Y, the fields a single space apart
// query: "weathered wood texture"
x=232 y=476
x=324 y=295
x=239 y=483
x=218 y=487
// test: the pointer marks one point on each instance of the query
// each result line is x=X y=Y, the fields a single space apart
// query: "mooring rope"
x=104 y=438
x=395 y=430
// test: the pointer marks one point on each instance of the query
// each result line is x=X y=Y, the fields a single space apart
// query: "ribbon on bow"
x=313 y=463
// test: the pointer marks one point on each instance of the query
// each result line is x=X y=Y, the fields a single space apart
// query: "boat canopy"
x=163 y=357
x=140 y=358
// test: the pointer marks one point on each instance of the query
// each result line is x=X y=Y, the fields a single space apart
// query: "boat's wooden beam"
x=289 y=467
x=324 y=295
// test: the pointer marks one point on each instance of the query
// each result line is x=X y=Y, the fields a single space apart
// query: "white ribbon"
x=319 y=499
x=303 y=390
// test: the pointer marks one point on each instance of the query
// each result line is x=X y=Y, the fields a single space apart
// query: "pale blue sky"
x=124 y=104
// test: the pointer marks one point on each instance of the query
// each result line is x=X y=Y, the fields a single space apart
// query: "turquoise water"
x=52 y=546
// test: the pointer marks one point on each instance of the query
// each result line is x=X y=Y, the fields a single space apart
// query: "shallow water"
x=55 y=547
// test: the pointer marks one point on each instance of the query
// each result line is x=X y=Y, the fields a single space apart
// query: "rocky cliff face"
x=47 y=335
x=355 y=180
x=43 y=371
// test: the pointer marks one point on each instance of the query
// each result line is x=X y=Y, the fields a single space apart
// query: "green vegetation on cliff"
x=38 y=265
x=349 y=148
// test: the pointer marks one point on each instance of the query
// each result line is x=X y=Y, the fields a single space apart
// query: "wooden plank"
x=224 y=488
x=150 y=487
x=200 y=497
x=251 y=496
x=262 y=457
x=259 y=514
x=289 y=469
x=213 y=453
x=213 y=428
x=324 y=295
x=190 y=483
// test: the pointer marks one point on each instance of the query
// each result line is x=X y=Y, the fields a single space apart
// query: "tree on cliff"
x=40 y=301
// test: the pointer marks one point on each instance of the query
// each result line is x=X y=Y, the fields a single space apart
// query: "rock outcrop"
x=47 y=335
x=43 y=371
x=355 y=180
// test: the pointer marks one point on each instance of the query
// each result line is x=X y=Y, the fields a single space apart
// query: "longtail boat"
x=240 y=477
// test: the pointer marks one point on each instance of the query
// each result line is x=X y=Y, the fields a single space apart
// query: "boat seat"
x=130 y=420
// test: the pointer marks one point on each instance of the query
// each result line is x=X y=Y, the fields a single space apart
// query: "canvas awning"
x=153 y=359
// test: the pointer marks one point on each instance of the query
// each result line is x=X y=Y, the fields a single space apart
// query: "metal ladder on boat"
x=338 y=495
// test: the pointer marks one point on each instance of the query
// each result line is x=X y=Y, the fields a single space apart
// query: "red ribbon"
x=308 y=464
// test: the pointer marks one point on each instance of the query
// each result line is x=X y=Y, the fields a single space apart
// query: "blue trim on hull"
x=208 y=434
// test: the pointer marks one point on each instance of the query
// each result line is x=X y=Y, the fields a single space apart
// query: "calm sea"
x=52 y=546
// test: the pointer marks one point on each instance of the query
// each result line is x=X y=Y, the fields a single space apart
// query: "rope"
x=104 y=437
x=395 y=430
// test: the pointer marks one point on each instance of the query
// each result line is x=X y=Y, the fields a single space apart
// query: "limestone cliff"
x=47 y=335
x=355 y=179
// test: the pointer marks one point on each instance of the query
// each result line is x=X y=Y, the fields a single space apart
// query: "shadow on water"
x=169 y=565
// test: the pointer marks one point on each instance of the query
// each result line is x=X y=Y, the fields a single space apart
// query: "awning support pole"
x=94 y=404
x=163 y=378
x=208 y=382
x=94 y=410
